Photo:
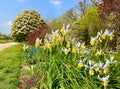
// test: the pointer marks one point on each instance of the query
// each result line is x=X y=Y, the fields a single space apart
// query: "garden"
x=73 y=51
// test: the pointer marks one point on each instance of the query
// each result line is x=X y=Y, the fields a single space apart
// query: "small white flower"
x=111 y=60
x=82 y=60
x=104 y=79
x=91 y=65
x=103 y=66
x=38 y=40
x=78 y=44
x=99 y=52
x=107 y=33
x=111 y=33
x=26 y=46
x=99 y=33
x=66 y=51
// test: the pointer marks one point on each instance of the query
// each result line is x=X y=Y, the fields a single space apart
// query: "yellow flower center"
x=80 y=64
x=100 y=40
x=96 y=54
x=24 y=48
x=105 y=71
x=103 y=36
x=63 y=31
x=53 y=43
x=92 y=42
x=54 y=36
x=68 y=45
x=74 y=50
x=36 y=44
x=105 y=84
x=66 y=52
x=111 y=38
x=82 y=46
x=60 y=40
x=91 y=72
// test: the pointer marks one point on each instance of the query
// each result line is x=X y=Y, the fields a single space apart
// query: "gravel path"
x=3 y=46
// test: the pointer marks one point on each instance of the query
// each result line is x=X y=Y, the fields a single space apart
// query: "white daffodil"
x=75 y=49
x=83 y=45
x=25 y=47
x=99 y=52
x=65 y=30
x=81 y=62
x=91 y=66
x=104 y=80
x=68 y=44
x=66 y=51
x=103 y=67
x=111 y=60
x=55 y=34
x=38 y=42
x=107 y=33
x=92 y=41
x=111 y=33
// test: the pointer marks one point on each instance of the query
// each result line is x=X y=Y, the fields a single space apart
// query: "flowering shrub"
x=68 y=64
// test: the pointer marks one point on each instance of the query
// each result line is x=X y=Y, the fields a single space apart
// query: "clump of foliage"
x=66 y=63
x=27 y=21
x=88 y=25
x=5 y=38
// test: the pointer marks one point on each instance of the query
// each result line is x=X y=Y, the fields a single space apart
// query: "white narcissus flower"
x=38 y=42
x=83 y=45
x=66 y=51
x=81 y=62
x=92 y=41
x=55 y=34
x=68 y=44
x=65 y=30
x=104 y=80
x=111 y=60
x=107 y=33
x=103 y=67
x=91 y=66
x=99 y=52
x=111 y=33
x=25 y=47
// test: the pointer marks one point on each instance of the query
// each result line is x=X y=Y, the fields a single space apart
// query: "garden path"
x=6 y=45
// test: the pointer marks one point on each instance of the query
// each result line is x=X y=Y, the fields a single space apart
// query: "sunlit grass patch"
x=10 y=67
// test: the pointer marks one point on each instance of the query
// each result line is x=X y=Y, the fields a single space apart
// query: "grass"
x=9 y=67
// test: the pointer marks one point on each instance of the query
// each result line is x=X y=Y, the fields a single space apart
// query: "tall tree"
x=25 y=22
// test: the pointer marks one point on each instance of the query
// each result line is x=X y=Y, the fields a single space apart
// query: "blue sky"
x=48 y=9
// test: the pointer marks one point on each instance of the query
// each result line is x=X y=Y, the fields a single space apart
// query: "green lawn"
x=10 y=67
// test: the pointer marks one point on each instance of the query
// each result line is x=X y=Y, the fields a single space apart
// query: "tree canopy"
x=26 y=21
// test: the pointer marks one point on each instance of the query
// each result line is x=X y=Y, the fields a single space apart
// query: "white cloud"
x=7 y=24
x=21 y=0
x=56 y=2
